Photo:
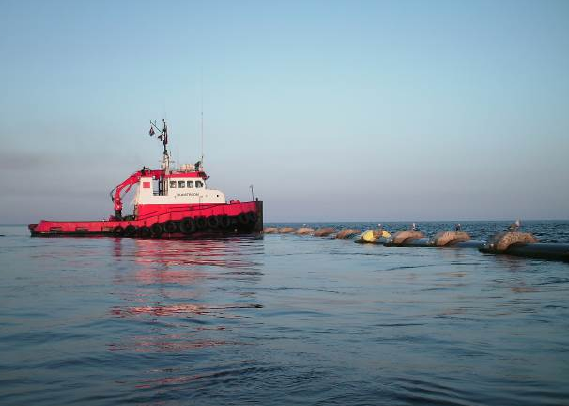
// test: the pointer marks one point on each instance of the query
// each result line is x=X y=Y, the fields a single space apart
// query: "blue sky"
x=334 y=110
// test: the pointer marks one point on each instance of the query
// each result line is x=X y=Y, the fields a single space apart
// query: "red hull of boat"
x=242 y=217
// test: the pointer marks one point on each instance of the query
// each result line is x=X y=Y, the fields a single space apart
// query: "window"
x=199 y=183
x=159 y=187
x=181 y=183
x=172 y=184
x=190 y=183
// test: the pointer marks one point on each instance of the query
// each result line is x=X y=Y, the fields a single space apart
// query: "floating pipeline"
x=374 y=237
x=543 y=250
x=466 y=244
x=455 y=239
x=321 y=232
x=401 y=237
x=444 y=238
x=304 y=231
x=525 y=245
x=501 y=241
x=408 y=238
x=428 y=243
x=347 y=233
x=509 y=243
x=324 y=232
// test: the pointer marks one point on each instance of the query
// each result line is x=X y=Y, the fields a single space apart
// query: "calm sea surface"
x=283 y=320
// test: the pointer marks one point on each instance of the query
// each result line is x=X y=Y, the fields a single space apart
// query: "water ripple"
x=280 y=320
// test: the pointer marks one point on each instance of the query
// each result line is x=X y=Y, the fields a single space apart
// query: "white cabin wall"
x=179 y=196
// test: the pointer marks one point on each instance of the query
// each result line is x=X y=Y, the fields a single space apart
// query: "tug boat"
x=168 y=203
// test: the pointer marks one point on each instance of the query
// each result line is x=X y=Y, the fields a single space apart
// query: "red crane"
x=117 y=192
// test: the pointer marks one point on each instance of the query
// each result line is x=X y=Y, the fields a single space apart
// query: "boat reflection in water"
x=184 y=298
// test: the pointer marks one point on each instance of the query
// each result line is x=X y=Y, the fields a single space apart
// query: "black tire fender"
x=157 y=229
x=144 y=232
x=225 y=221
x=187 y=225
x=213 y=222
x=170 y=226
x=201 y=223
x=243 y=219
x=130 y=230
x=252 y=216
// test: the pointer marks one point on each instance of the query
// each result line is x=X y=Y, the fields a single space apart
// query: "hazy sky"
x=334 y=110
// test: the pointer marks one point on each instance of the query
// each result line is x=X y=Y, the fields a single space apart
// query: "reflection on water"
x=176 y=280
x=280 y=320
x=226 y=252
x=164 y=310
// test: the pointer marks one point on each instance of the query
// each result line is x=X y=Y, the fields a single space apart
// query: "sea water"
x=280 y=320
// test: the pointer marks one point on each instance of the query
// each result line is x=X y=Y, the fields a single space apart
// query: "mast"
x=201 y=113
x=201 y=160
x=163 y=136
x=165 y=155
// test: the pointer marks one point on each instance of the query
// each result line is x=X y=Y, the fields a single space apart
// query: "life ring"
x=213 y=222
x=243 y=219
x=130 y=230
x=157 y=229
x=201 y=222
x=144 y=232
x=118 y=231
x=187 y=225
x=170 y=226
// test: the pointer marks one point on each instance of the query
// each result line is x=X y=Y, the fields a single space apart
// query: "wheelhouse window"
x=172 y=184
x=199 y=183
x=181 y=183
x=190 y=183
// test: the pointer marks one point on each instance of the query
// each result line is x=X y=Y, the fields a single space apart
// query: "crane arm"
x=128 y=184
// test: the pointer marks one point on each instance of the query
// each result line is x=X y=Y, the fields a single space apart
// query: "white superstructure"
x=177 y=189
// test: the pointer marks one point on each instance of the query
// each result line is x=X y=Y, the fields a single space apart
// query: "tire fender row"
x=188 y=225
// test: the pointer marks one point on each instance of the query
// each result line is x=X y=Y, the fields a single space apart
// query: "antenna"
x=201 y=97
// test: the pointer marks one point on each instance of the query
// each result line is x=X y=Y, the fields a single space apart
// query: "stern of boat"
x=258 y=227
